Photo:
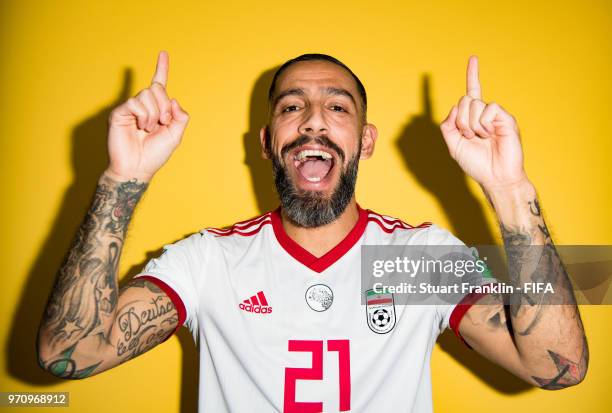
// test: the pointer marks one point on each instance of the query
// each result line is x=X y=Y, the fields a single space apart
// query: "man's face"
x=315 y=138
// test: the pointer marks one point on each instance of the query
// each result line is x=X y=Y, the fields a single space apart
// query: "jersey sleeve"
x=450 y=315
x=178 y=272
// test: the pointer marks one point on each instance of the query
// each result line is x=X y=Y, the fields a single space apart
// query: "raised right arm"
x=89 y=325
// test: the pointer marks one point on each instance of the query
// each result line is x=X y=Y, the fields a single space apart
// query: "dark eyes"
x=293 y=108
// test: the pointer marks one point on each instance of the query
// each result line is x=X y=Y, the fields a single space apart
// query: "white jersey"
x=281 y=330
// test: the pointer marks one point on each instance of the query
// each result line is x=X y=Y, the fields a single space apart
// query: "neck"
x=320 y=240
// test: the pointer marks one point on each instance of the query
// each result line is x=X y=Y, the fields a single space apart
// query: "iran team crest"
x=380 y=312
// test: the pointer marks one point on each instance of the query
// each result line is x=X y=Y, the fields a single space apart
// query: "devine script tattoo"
x=130 y=322
x=141 y=324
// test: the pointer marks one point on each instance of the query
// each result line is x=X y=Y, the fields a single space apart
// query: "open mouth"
x=313 y=164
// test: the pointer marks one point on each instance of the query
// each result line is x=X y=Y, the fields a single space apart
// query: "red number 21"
x=292 y=374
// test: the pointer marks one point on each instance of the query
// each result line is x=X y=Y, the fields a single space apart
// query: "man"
x=276 y=301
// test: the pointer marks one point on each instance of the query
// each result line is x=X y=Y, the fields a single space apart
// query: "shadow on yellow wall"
x=425 y=155
x=89 y=159
x=420 y=144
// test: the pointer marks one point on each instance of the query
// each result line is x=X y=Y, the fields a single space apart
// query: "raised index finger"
x=161 y=71
x=473 y=84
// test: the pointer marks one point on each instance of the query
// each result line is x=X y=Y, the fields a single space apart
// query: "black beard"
x=310 y=209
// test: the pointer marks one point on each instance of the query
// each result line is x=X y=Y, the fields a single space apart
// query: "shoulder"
x=424 y=233
x=390 y=224
x=208 y=243
x=246 y=228
x=209 y=237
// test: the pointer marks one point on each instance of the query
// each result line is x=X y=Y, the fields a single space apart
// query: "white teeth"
x=313 y=179
x=312 y=152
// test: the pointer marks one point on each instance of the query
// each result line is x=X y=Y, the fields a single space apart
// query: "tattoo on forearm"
x=64 y=366
x=569 y=372
x=491 y=313
x=533 y=258
x=528 y=262
x=84 y=297
x=534 y=207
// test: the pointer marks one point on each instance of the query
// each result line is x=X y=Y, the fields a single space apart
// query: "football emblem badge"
x=319 y=297
x=380 y=312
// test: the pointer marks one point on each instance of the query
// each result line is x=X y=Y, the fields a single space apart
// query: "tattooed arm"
x=538 y=336
x=88 y=325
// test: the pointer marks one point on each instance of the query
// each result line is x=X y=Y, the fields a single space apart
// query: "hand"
x=145 y=130
x=483 y=138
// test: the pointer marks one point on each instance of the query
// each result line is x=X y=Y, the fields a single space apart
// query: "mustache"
x=322 y=140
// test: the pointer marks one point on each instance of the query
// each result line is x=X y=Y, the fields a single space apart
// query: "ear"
x=368 y=140
x=264 y=138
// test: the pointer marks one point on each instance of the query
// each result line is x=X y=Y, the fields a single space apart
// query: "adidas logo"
x=256 y=304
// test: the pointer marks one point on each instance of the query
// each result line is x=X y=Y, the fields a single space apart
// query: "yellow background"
x=65 y=64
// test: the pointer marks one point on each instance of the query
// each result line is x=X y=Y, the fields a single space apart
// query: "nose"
x=313 y=123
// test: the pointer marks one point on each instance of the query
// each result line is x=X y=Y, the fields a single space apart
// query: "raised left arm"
x=538 y=336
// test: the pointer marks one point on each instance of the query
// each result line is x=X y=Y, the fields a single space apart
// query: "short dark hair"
x=314 y=57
